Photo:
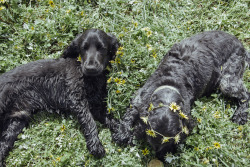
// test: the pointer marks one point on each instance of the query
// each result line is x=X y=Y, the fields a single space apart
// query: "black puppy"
x=75 y=83
x=194 y=67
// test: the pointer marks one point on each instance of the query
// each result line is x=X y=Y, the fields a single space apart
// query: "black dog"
x=66 y=84
x=194 y=67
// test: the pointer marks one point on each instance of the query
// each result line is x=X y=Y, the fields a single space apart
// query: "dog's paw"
x=122 y=135
x=240 y=118
x=97 y=151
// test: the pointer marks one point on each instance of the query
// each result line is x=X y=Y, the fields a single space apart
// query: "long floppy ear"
x=114 y=46
x=72 y=51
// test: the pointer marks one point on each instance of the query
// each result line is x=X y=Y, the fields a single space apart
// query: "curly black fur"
x=191 y=69
x=63 y=84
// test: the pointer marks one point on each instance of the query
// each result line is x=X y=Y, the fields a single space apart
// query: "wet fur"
x=64 y=84
x=195 y=67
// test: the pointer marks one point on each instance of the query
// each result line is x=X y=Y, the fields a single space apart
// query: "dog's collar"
x=166 y=87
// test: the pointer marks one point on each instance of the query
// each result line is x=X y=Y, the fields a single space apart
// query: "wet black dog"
x=194 y=67
x=68 y=84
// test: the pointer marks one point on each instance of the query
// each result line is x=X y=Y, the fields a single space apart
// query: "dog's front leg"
x=123 y=134
x=88 y=126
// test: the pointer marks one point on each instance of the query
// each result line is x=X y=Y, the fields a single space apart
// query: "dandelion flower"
x=177 y=138
x=79 y=58
x=2 y=7
x=217 y=145
x=174 y=107
x=199 y=120
x=182 y=115
x=217 y=115
x=151 y=133
x=118 y=91
x=122 y=82
x=51 y=3
x=145 y=151
x=165 y=140
x=149 y=47
x=109 y=80
x=62 y=128
x=120 y=48
x=110 y=109
x=68 y=11
x=118 y=60
x=145 y=119
x=154 y=55
x=117 y=80
x=185 y=130
x=149 y=33
x=196 y=148
x=136 y=24
x=132 y=60
x=151 y=107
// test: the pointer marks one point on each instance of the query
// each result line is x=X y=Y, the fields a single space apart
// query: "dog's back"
x=33 y=80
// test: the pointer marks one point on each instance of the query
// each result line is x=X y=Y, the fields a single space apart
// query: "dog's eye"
x=85 y=46
x=99 y=46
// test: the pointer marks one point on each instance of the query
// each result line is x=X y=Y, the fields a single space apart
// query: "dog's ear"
x=72 y=51
x=114 y=45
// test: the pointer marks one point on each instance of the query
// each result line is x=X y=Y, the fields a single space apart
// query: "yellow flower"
x=145 y=119
x=62 y=128
x=119 y=52
x=149 y=47
x=177 y=138
x=120 y=48
x=165 y=140
x=117 y=80
x=132 y=60
x=118 y=60
x=68 y=11
x=145 y=151
x=199 y=120
x=217 y=145
x=174 y=107
x=109 y=80
x=122 y=82
x=118 y=91
x=79 y=58
x=110 y=109
x=182 y=115
x=205 y=161
x=82 y=13
x=2 y=7
x=112 y=61
x=240 y=128
x=2 y=1
x=58 y=159
x=204 y=108
x=151 y=107
x=136 y=24
x=151 y=133
x=209 y=148
x=196 y=148
x=51 y=3
x=217 y=115
x=154 y=55
x=185 y=130
x=149 y=33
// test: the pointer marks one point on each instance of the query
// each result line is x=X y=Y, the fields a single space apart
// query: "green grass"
x=35 y=29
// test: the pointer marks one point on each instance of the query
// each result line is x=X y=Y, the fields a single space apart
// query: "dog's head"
x=165 y=127
x=95 y=49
